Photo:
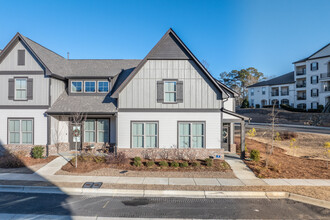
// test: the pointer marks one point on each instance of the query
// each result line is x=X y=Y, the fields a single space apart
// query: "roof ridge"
x=105 y=59
x=44 y=47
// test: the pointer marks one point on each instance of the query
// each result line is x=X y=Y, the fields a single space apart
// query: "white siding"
x=198 y=91
x=229 y=104
x=10 y=61
x=59 y=130
x=322 y=53
x=40 y=90
x=40 y=123
x=168 y=126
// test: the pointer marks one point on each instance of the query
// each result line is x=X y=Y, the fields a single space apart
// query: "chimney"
x=68 y=55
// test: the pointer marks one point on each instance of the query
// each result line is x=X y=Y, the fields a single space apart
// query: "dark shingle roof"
x=283 y=79
x=66 y=104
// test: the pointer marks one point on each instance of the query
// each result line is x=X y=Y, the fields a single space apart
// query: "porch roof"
x=66 y=104
x=233 y=116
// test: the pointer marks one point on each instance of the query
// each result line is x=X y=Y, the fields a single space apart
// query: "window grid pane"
x=191 y=135
x=103 y=86
x=76 y=86
x=89 y=126
x=170 y=91
x=89 y=86
x=103 y=130
x=144 y=135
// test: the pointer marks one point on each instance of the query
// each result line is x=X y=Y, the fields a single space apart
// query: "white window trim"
x=144 y=133
x=82 y=86
x=98 y=86
x=85 y=86
x=20 y=89
x=190 y=134
x=20 y=130
x=175 y=92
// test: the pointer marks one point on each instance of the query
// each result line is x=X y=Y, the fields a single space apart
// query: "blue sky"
x=233 y=34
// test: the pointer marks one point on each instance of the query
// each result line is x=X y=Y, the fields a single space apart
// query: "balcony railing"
x=301 y=85
x=284 y=93
x=275 y=93
x=301 y=73
x=301 y=98
x=325 y=75
x=326 y=89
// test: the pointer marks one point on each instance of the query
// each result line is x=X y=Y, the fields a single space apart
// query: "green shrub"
x=150 y=164
x=245 y=104
x=184 y=164
x=255 y=155
x=137 y=163
x=99 y=159
x=174 y=164
x=137 y=159
x=257 y=106
x=163 y=164
x=209 y=162
x=196 y=164
x=37 y=152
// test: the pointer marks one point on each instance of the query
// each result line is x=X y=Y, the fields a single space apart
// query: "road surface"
x=56 y=204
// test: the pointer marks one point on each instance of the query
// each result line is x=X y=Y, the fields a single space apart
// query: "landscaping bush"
x=119 y=159
x=292 y=109
x=137 y=158
x=184 y=164
x=99 y=159
x=209 y=162
x=257 y=106
x=150 y=164
x=196 y=164
x=287 y=135
x=137 y=163
x=174 y=164
x=245 y=104
x=163 y=164
x=255 y=155
x=9 y=160
x=37 y=152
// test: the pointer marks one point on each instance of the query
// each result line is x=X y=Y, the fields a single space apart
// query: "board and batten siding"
x=168 y=126
x=10 y=61
x=198 y=91
x=40 y=90
x=56 y=89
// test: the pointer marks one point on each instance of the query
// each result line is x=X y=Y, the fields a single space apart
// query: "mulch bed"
x=29 y=161
x=219 y=169
x=282 y=165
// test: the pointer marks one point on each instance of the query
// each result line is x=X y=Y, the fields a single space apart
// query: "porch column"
x=243 y=139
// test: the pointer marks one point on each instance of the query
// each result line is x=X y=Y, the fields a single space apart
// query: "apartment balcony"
x=326 y=89
x=325 y=76
x=303 y=85
x=275 y=93
x=301 y=98
x=284 y=93
x=300 y=73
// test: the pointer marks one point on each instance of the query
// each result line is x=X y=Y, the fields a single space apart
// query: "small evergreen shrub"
x=196 y=164
x=245 y=104
x=163 y=164
x=150 y=164
x=37 y=152
x=255 y=155
x=137 y=163
x=174 y=164
x=209 y=162
x=257 y=106
x=137 y=158
x=184 y=164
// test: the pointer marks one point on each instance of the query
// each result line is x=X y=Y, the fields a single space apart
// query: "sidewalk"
x=245 y=177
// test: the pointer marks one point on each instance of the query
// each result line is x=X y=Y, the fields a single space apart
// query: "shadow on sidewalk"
x=10 y=201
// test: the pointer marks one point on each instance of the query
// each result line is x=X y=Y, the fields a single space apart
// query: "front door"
x=75 y=136
x=225 y=136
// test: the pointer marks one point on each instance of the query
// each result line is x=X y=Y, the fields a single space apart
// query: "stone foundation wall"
x=23 y=150
x=180 y=154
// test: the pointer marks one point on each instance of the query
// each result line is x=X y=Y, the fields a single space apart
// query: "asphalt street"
x=292 y=129
x=106 y=206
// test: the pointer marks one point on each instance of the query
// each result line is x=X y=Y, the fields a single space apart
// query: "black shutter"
x=312 y=92
x=11 y=89
x=317 y=66
x=311 y=66
x=21 y=57
x=311 y=79
x=160 y=91
x=179 y=92
x=317 y=79
x=29 y=89
x=317 y=92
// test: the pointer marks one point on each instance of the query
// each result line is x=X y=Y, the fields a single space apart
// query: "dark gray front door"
x=226 y=136
x=75 y=136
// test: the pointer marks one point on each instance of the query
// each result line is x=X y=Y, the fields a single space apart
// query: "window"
x=103 y=86
x=191 y=134
x=314 y=105
x=89 y=127
x=170 y=91
x=21 y=57
x=144 y=134
x=20 y=131
x=252 y=102
x=263 y=90
x=76 y=86
x=102 y=130
x=314 y=92
x=252 y=92
x=90 y=86
x=314 y=66
x=314 y=79
x=301 y=106
x=21 y=88
x=284 y=91
x=285 y=102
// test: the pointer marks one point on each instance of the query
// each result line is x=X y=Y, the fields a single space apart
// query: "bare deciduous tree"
x=77 y=119
x=273 y=119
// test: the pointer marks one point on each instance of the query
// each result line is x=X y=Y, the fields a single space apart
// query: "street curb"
x=165 y=193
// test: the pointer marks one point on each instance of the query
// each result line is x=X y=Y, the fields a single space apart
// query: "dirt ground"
x=31 y=165
x=322 y=192
x=282 y=165
x=220 y=169
x=308 y=145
